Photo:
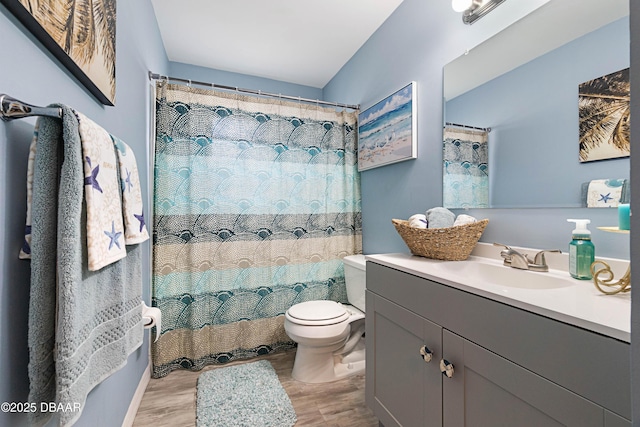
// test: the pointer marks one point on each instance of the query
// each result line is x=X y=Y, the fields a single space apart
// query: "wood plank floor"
x=170 y=401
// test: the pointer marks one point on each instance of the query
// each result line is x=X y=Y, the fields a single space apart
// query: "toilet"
x=330 y=335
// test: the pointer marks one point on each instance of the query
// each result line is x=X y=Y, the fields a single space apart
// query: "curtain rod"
x=467 y=127
x=11 y=108
x=154 y=76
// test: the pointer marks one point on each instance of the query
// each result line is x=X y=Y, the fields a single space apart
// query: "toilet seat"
x=317 y=313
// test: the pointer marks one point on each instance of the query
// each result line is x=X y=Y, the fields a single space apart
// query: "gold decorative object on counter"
x=603 y=277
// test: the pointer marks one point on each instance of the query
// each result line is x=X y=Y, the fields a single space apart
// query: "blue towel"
x=440 y=217
x=91 y=321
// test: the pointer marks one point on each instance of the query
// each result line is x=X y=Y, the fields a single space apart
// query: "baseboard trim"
x=137 y=398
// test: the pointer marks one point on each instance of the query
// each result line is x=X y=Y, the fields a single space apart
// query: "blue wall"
x=414 y=44
x=537 y=142
x=29 y=73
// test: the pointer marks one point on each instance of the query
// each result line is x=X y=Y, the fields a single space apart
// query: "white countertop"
x=579 y=303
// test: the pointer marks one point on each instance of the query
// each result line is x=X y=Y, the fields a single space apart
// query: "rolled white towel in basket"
x=464 y=219
x=418 y=221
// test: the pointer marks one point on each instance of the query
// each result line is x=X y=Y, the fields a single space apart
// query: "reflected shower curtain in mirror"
x=256 y=202
x=465 y=180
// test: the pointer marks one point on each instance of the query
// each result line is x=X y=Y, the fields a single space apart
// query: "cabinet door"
x=614 y=420
x=488 y=390
x=403 y=389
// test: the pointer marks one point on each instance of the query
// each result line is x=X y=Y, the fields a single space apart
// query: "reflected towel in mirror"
x=605 y=193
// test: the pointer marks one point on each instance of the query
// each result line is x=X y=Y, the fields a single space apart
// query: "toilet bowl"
x=330 y=335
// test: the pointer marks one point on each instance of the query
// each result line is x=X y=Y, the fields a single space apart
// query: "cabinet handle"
x=426 y=353
x=446 y=368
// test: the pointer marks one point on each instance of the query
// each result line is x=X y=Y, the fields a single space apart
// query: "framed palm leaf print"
x=604 y=110
x=81 y=34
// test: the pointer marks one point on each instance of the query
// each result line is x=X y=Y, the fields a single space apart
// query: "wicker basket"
x=450 y=244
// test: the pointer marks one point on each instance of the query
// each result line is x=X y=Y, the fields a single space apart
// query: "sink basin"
x=497 y=274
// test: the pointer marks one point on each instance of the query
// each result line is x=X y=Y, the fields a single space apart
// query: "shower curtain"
x=465 y=168
x=256 y=202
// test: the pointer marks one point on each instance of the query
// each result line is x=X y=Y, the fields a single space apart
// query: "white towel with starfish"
x=135 y=230
x=604 y=193
x=105 y=228
x=25 y=250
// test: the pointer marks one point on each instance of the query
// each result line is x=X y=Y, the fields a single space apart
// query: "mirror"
x=523 y=84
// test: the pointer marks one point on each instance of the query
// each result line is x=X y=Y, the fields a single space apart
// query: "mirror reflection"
x=518 y=106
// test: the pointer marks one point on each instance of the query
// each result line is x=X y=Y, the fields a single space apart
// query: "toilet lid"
x=319 y=311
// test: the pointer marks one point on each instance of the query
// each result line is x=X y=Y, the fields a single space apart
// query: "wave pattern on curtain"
x=465 y=168
x=256 y=203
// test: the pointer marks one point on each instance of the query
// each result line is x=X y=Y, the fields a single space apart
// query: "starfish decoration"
x=605 y=198
x=141 y=219
x=92 y=180
x=113 y=235
x=127 y=181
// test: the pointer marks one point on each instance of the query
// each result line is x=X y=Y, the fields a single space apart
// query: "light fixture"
x=472 y=10
x=461 y=5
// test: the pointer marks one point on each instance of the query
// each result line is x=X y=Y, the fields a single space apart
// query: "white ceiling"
x=304 y=42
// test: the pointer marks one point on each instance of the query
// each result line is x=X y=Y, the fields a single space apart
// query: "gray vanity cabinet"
x=510 y=367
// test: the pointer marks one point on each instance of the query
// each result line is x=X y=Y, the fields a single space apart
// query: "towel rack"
x=11 y=108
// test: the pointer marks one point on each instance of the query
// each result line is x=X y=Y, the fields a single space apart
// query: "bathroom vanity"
x=442 y=352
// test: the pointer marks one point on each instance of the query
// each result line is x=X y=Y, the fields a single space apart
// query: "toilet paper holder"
x=152 y=317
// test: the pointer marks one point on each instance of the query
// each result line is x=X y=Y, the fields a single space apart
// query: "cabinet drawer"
x=594 y=366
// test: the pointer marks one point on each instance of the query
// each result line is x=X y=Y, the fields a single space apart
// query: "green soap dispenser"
x=581 y=250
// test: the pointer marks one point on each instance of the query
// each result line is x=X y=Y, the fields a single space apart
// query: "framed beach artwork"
x=387 y=130
x=604 y=110
x=81 y=34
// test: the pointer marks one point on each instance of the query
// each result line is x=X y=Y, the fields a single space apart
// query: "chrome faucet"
x=515 y=259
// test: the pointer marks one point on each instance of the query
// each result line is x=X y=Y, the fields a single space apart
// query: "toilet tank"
x=355 y=279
